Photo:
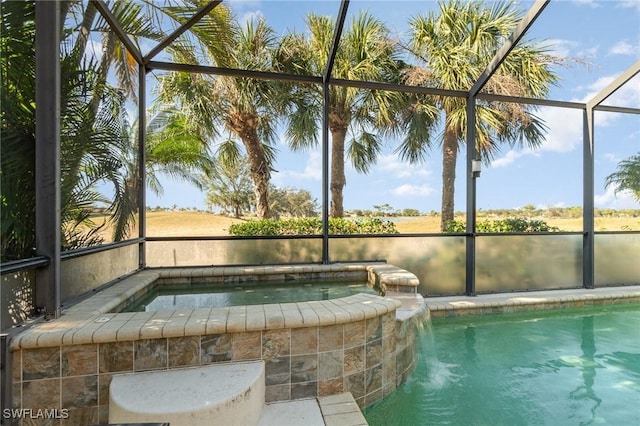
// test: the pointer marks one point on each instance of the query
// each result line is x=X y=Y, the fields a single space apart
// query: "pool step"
x=297 y=412
x=341 y=410
x=221 y=394
x=225 y=394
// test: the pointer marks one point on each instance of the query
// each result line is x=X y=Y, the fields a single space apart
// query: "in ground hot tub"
x=162 y=296
x=364 y=344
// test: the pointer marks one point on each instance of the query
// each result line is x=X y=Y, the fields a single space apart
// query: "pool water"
x=569 y=367
x=207 y=295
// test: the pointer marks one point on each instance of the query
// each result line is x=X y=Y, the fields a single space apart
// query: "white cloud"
x=634 y=136
x=544 y=206
x=238 y=4
x=564 y=129
x=564 y=134
x=252 y=15
x=610 y=200
x=635 y=4
x=628 y=95
x=93 y=51
x=571 y=49
x=623 y=47
x=565 y=126
x=561 y=48
x=409 y=190
x=312 y=171
x=589 y=53
x=509 y=158
x=612 y=157
x=589 y=3
x=399 y=169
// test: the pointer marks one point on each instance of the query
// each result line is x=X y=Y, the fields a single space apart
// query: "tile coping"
x=457 y=305
x=341 y=410
x=90 y=321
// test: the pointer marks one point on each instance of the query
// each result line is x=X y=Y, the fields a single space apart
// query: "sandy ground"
x=190 y=223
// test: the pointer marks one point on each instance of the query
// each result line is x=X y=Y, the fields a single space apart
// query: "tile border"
x=532 y=300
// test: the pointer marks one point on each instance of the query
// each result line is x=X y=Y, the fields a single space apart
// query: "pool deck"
x=531 y=300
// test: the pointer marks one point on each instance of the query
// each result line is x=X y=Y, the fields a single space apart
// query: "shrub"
x=504 y=225
x=311 y=226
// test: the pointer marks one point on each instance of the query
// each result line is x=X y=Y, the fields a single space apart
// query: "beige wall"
x=84 y=273
x=16 y=298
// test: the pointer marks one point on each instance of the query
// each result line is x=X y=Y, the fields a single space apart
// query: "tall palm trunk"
x=338 y=181
x=129 y=208
x=244 y=125
x=449 y=157
x=84 y=31
x=260 y=174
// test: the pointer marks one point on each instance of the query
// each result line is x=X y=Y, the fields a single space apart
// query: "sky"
x=601 y=39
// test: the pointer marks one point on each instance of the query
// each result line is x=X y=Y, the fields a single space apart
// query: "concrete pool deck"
x=530 y=300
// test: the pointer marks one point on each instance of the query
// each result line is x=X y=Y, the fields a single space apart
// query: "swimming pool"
x=210 y=295
x=577 y=366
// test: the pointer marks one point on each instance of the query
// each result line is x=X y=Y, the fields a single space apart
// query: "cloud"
x=252 y=15
x=313 y=167
x=509 y=158
x=561 y=47
x=246 y=10
x=623 y=47
x=589 y=3
x=236 y=5
x=409 y=190
x=564 y=129
x=614 y=158
x=610 y=200
x=93 y=51
x=628 y=95
x=634 y=4
x=589 y=53
x=544 y=206
x=564 y=134
x=399 y=169
x=565 y=126
x=564 y=48
x=312 y=171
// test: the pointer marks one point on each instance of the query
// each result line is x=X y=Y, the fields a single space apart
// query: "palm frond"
x=626 y=177
x=364 y=151
x=229 y=152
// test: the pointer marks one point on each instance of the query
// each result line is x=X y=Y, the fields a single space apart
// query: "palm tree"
x=230 y=187
x=172 y=149
x=113 y=53
x=175 y=145
x=91 y=137
x=17 y=162
x=454 y=46
x=237 y=109
x=627 y=177
x=366 y=53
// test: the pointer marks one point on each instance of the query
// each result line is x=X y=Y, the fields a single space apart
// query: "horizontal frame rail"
x=24 y=264
x=97 y=249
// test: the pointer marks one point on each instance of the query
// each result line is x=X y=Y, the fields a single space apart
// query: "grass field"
x=191 y=223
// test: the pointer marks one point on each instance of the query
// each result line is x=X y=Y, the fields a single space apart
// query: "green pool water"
x=569 y=367
x=210 y=295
